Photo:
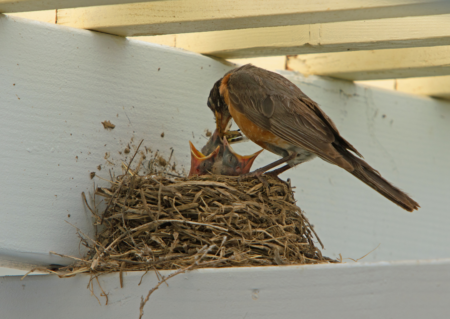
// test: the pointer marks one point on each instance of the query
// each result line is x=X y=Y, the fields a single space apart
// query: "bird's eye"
x=230 y=159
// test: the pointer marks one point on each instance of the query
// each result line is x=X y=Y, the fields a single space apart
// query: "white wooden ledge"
x=58 y=84
x=411 y=289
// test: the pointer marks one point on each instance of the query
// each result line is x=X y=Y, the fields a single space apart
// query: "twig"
x=91 y=288
x=122 y=181
x=121 y=274
x=95 y=262
x=159 y=200
x=312 y=228
x=143 y=302
x=162 y=221
x=103 y=294
x=144 y=202
x=362 y=256
x=85 y=201
x=179 y=271
x=79 y=231
x=71 y=257
x=29 y=272
x=174 y=175
x=201 y=183
x=142 y=277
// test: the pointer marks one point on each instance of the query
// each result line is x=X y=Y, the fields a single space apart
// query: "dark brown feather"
x=292 y=116
x=365 y=173
x=275 y=104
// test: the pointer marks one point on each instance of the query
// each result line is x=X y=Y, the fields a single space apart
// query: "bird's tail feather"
x=365 y=173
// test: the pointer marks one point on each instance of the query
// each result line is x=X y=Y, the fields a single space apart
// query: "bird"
x=274 y=113
x=218 y=157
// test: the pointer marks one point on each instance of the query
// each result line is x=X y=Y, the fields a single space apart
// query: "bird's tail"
x=372 y=177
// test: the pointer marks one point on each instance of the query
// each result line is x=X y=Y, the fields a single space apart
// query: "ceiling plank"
x=437 y=86
x=318 y=38
x=187 y=16
x=376 y=64
x=10 y=6
x=272 y=63
x=48 y=16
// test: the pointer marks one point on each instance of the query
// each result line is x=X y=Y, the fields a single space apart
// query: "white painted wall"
x=68 y=81
x=57 y=85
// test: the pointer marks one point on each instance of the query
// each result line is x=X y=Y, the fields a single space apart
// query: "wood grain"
x=38 y=5
x=183 y=16
x=437 y=86
x=319 y=38
x=375 y=64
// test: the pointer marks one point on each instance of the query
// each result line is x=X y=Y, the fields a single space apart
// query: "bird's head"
x=234 y=164
x=217 y=157
x=220 y=109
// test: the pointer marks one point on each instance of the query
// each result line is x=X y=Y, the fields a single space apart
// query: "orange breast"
x=254 y=132
x=251 y=130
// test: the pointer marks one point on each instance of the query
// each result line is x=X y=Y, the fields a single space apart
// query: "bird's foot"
x=258 y=174
x=274 y=175
x=276 y=172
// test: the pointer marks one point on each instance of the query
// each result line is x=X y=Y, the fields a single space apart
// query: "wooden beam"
x=437 y=86
x=273 y=63
x=318 y=38
x=186 y=16
x=375 y=65
x=9 y=6
x=48 y=16
x=381 y=84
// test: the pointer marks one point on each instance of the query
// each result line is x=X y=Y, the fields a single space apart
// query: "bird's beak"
x=201 y=164
x=212 y=143
x=222 y=123
x=234 y=164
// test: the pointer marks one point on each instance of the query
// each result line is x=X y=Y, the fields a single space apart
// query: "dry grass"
x=154 y=222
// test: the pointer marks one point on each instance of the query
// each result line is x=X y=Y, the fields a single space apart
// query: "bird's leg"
x=278 y=171
x=257 y=173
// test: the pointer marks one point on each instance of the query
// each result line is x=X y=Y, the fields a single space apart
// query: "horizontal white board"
x=416 y=289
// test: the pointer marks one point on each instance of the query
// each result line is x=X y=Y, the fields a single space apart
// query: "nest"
x=156 y=222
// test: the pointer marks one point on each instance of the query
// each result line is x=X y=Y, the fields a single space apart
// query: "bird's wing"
x=275 y=104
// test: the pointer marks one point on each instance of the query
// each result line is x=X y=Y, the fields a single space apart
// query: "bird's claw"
x=265 y=183
x=258 y=174
x=273 y=175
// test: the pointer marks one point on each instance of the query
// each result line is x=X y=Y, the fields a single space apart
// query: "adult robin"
x=218 y=157
x=275 y=114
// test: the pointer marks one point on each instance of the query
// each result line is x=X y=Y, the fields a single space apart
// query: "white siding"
x=58 y=84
